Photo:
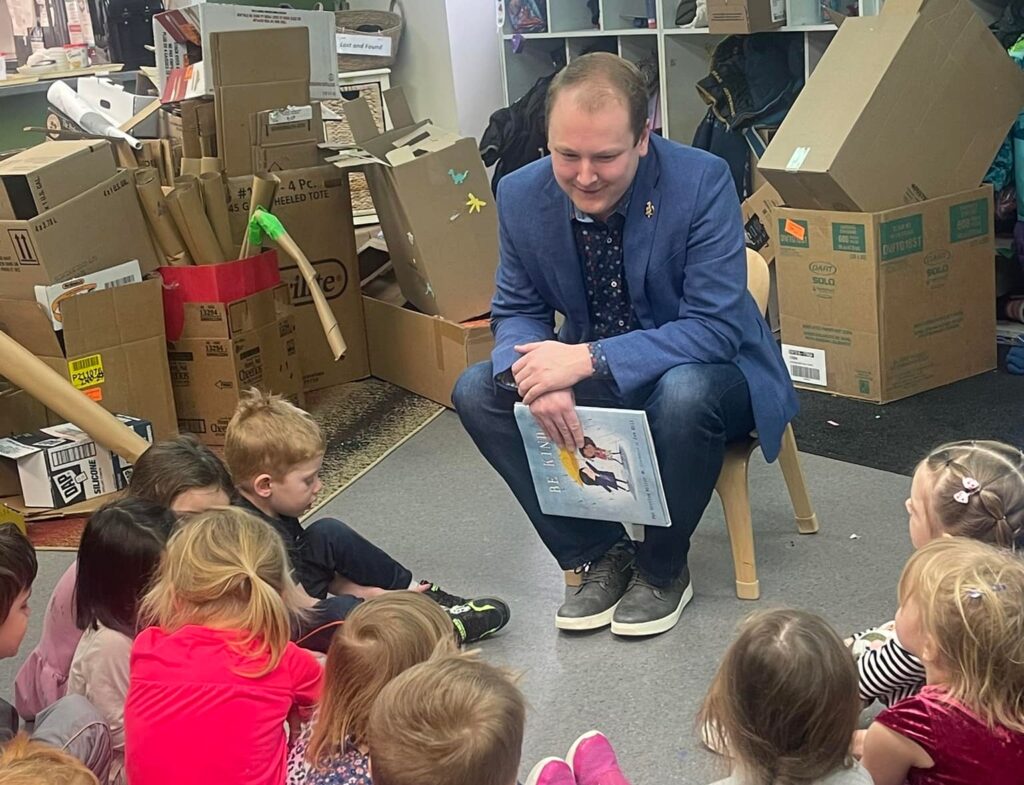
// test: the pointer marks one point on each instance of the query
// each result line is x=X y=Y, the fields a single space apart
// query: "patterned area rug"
x=363 y=422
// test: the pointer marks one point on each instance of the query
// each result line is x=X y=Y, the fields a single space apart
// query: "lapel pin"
x=649 y=209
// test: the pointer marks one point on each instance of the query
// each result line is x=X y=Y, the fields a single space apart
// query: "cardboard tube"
x=187 y=208
x=208 y=164
x=168 y=240
x=323 y=309
x=215 y=201
x=264 y=188
x=55 y=392
x=192 y=166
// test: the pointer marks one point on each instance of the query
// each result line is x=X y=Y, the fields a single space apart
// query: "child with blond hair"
x=27 y=762
x=972 y=489
x=784 y=704
x=382 y=638
x=215 y=680
x=274 y=451
x=962 y=614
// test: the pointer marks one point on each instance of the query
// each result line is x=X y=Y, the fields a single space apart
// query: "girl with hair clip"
x=180 y=474
x=215 y=680
x=381 y=638
x=119 y=553
x=962 y=614
x=784 y=703
x=972 y=489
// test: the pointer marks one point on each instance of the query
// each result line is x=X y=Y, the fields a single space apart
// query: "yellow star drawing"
x=474 y=204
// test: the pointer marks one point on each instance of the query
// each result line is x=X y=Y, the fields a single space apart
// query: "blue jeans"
x=694 y=411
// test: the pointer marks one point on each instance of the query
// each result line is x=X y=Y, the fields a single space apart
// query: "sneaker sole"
x=655 y=626
x=537 y=769
x=580 y=623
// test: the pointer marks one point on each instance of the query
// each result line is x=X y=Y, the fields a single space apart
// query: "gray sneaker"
x=591 y=605
x=646 y=609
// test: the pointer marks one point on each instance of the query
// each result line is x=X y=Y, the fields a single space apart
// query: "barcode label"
x=805 y=365
x=120 y=281
x=74 y=453
x=86 y=371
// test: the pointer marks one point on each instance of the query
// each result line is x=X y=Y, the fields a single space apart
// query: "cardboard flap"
x=28 y=323
x=360 y=120
x=233 y=62
x=112 y=317
x=398 y=107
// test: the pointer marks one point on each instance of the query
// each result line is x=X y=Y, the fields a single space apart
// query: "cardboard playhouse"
x=880 y=306
x=905 y=106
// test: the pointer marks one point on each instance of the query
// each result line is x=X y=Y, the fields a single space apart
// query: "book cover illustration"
x=613 y=477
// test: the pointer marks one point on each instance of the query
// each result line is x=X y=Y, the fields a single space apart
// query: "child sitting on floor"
x=274 y=451
x=26 y=762
x=969 y=489
x=119 y=553
x=962 y=614
x=784 y=705
x=180 y=474
x=380 y=639
x=213 y=683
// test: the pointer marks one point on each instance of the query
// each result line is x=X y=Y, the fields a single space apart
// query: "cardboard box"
x=62 y=465
x=727 y=17
x=423 y=354
x=760 y=228
x=19 y=413
x=95 y=230
x=884 y=305
x=119 y=104
x=50 y=174
x=53 y=297
x=113 y=349
x=254 y=70
x=315 y=207
x=286 y=138
x=434 y=202
x=905 y=106
x=177 y=34
x=227 y=348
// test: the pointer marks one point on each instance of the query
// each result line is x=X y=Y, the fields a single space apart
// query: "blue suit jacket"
x=685 y=267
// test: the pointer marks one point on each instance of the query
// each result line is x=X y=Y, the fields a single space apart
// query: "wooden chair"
x=732 y=485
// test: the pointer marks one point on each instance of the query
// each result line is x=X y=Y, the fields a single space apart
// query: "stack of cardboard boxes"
x=885 y=246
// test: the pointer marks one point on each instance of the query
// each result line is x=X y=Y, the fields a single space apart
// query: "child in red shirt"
x=962 y=614
x=213 y=683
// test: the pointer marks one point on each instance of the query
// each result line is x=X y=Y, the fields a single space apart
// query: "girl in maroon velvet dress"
x=962 y=613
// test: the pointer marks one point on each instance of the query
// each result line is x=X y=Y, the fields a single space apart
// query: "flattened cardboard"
x=905 y=106
x=19 y=413
x=880 y=306
x=53 y=297
x=432 y=196
x=95 y=230
x=47 y=175
x=423 y=354
x=210 y=371
x=729 y=17
x=315 y=207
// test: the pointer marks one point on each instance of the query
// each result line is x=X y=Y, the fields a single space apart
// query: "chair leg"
x=732 y=490
x=572 y=578
x=789 y=461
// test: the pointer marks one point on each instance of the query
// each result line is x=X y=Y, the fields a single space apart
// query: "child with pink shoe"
x=454 y=720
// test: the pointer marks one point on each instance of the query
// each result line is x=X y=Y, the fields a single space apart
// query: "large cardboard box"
x=254 y=70
x=905 y=106
x=62 y=465
x=182 y=35
x=95 y=230
x=760 y=228
x=42 y=177
x=315 y=207
x=19 y=413
x=424 y=354
x=113 y=349
x=226 y=348
x=729 y=17
x=434 y=202
x=884 y=305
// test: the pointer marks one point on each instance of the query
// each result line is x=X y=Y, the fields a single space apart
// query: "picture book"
x=613 y=477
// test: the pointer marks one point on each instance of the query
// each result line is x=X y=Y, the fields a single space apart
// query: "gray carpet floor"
x=437 y=506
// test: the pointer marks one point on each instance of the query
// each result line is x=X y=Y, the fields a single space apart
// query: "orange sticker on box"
x=96 y=393
x=793 y=229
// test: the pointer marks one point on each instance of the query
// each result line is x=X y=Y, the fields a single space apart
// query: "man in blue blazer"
x=638 y=242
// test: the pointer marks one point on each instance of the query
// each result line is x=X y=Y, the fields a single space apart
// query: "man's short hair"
x=269 y=435
x=603 y=77
x=18 y=566
x=451 y=720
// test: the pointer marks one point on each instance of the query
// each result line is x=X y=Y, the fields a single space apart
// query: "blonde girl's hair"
x=979 y=491
x=784 y=702
x=380 y=639
x=227 y=569
x=970 y=597
x=26 y=762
